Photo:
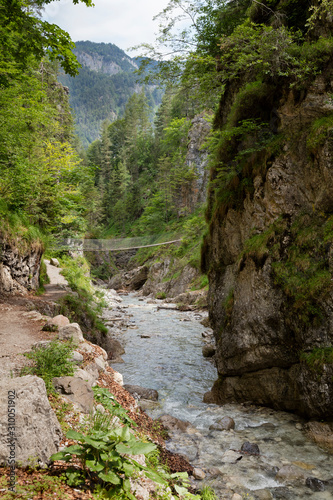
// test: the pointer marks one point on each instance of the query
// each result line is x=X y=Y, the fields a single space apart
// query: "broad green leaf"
x=95 y=466
x=110 y=477
x=75 y=435
x=136 y=448
x=129 y=469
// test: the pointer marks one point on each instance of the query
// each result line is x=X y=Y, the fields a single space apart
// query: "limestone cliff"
x=269 y=257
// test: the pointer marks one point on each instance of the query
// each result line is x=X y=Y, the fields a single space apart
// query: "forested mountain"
x=105 y=82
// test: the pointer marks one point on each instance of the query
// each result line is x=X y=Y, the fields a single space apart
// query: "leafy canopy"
x=25 y=35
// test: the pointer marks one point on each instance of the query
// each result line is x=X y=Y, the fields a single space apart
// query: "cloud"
x=123 y=22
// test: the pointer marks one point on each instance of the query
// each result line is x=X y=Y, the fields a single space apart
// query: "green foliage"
x=301 y=269
x=321 y=129
x=26 y=36
x=104 y=455
x=51 y=361
x=45 y=485
x=207 y=493
x=105 y=398
x=318 y=358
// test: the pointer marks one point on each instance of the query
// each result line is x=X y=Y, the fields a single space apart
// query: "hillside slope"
x=103 y=86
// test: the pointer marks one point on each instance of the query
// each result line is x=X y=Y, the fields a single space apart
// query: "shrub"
x=51 y=361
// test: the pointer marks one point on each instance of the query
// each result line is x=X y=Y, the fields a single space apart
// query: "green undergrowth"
x=318 y=358
x=17 y=230
x=86 y=303
x=105 y=452
x=300 y=262
x=50 y=487
x=186 y=252
x=52 y=360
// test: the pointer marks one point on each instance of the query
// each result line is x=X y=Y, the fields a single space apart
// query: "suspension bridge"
x=117 y=244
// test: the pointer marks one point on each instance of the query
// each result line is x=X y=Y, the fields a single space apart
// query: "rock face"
x=19 y=268
x=257 y=254
x=37 y=430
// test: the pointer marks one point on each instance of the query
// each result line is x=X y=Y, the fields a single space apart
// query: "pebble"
x=236 y=497
x=199 y=474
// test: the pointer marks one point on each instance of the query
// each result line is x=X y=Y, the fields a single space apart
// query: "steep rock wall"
x=19 y=269
x=270 y=269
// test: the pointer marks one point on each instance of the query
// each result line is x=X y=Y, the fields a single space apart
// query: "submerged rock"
x=141 y=392
x=315 y=484
x=250 y=448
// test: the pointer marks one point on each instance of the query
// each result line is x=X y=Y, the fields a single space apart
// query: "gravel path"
x=20 y=329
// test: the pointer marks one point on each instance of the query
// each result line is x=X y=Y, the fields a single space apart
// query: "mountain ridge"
x=105 y=82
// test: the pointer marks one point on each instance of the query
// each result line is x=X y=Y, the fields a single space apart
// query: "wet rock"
x=198 y=474
x=208 y=351
x=321 y=433
x=71 y=331
x=263 y=495
x=117 y=360
x=215 y=471
x=37 y=430
x=77 y=391
x=315 y=484
x=141 y=392
x=114 y=348
x=231 y=457
x=289 y=473
x=173 y=423
x=227 y=423
x=250 y=448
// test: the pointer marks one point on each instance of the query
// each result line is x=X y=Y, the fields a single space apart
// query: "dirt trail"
x=19 y=328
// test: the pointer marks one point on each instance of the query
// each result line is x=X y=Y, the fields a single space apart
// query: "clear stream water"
x=171 y=362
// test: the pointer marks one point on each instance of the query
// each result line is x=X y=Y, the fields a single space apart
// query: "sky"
x=125 y=23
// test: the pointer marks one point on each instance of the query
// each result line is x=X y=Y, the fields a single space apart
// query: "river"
x=164 y=352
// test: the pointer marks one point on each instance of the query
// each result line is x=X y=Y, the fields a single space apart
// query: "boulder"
x=137 y=278
x=315 y=484
x=73 y=331
x=37 y=432
x=114 y=348
x=54 y=262
x=290 y=473
x=250 y=448
x=118 y=378
x=141 y=392
x=208 y=351
x=54 y=324
x=321 y=433
x=86 y=376
x=173 y=423
x=78 y=391
x=231 y=457
x=223 y=424
x=76 y=358
x=116 y=282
